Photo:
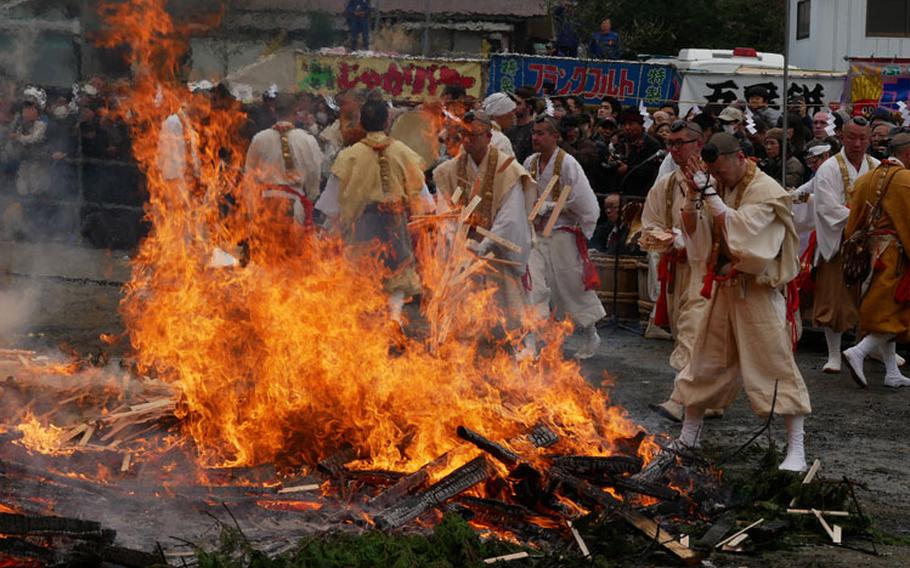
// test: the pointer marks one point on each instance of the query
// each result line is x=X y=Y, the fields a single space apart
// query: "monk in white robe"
x=557 y=262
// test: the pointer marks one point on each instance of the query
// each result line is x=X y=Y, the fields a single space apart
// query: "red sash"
x=804 y=278
x=304 y=201
x=666 y=275
x=590 y=277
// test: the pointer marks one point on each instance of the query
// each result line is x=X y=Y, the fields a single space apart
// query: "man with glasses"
x=834 y=308
x=750 y=255
x=558 y=262
x=678 y=304
x=505 y=189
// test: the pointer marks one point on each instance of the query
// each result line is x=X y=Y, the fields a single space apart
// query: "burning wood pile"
x=122 y=445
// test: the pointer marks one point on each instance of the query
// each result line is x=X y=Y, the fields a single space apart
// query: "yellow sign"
x=399 y=78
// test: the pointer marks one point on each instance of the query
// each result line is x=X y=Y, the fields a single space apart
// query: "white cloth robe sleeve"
x=511 y=223
x=308 y=159
x=667 y=166
x=329 y=202
x=831 y=211
x=581 y=207
x=502 y=142
x=753 y=235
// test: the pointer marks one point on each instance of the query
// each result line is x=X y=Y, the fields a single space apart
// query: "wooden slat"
x=543 y=198
x=501 y=241
x=560 y=204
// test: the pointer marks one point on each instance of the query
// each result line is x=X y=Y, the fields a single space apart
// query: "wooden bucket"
x=645 y=305
x=626 y=284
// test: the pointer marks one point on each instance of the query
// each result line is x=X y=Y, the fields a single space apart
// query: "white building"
x=824 y=32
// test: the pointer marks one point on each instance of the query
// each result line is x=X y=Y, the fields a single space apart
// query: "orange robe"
x=880 y=310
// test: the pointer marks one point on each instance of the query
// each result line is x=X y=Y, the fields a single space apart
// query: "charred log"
x=591 y=465
x=496 y=450
x=460 y=480
x=33 y=525
x=542 y=437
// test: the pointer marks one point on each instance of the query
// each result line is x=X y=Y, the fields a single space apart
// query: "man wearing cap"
x=281 y=179
x=750 y=255
x=679 y=303
x=507 y=192
x=733 y=122
x=642 y=155
x=374 y=183
x=559 y=262
x=501 y=109
x=803 y=196
x=834 y=308
x=884 y=311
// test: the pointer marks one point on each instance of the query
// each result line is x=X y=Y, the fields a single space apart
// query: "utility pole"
x=426 y=28
x=783 y=145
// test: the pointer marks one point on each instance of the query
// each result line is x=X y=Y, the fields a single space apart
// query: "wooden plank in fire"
x=17 y=524
x=467 y=476
x=501 y=241
x=498 y=451
x=650 y=528
x=542 y=437
x=603 y=465
x=334 y=464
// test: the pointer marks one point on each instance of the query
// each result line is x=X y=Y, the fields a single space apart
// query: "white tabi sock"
x=796 y=451
x=591 y=343
x=893 y=376
x=833 y=339
x=858 y=353
x=691 y=427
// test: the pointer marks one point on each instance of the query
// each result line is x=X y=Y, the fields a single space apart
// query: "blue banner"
x=630 y=82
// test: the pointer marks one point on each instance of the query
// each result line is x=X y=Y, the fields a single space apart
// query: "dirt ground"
x=858 y=433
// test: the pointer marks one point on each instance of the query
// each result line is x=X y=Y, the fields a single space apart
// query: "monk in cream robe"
x=744 y=339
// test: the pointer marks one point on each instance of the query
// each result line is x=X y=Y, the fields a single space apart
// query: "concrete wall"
x=837 y=29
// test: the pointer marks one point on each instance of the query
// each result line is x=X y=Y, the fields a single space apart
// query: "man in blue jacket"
x=605 y=43
x=357 y=13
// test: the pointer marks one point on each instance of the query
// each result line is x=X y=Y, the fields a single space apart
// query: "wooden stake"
x=456 y=197
x=736 y=534
x=466 y=212
x=501 y=241
x=834 y=533
x=87 y=436
x=543 y=198
x=810 y=475
x=812 y=512
x=654 y=532
x=506 y=558
x=299 y=488
x=579 y=540
x=560 y=203
x=733 y=545
x=125 y=464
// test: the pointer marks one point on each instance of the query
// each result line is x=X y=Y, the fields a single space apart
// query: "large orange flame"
x=286 y=361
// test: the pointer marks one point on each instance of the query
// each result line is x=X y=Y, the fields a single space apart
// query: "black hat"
x=631 y=115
